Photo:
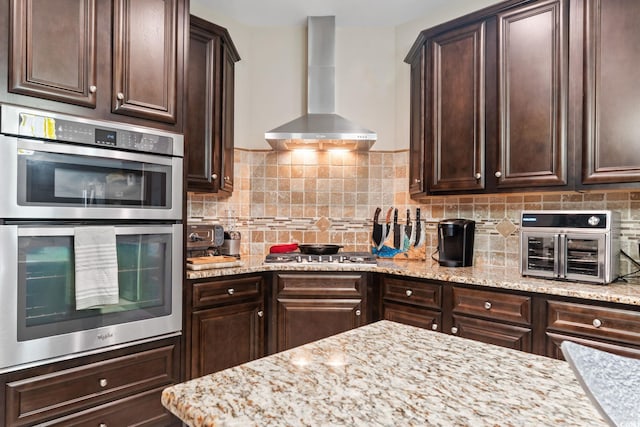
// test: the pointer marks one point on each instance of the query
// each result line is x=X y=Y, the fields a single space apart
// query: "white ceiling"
x=267 y=13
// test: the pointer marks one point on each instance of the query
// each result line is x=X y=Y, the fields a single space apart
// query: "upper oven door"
x=64 y=181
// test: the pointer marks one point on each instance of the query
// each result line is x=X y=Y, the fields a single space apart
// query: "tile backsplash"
x=330 y=197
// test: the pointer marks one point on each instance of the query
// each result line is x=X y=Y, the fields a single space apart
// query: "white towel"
x=96 y=261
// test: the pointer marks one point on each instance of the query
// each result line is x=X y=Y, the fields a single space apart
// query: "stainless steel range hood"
x=321 y=128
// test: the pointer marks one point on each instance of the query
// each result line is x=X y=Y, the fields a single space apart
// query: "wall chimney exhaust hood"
x=321 y=128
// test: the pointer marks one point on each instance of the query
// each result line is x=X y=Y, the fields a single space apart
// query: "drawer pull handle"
x=93 y=89
x=214 y=176
x=103 y=382
x=487 y=305
x=260 y=313
x=102 y=425
x=478 y=175
x=358 y=312
x=120 y=96
x=454 y=330
x=498 y=174
x=597 y=323
x=409 y=292
x=434 y=326
x=231 y=291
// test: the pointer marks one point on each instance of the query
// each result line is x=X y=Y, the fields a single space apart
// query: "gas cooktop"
x=339 y=258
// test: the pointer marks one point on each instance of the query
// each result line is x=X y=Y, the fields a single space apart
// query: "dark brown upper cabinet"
x=145 y=59
x=496 y=90
x=119 y=60
x=609 y=68
x=532 y=76
x=417 y=184
x=210 y=103
x=455 y=117
x=53 y=50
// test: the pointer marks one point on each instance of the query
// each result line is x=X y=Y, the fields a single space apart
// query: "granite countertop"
x=496 y=277
x=388 y=374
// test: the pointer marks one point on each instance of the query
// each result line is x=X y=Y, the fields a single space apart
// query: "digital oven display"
x=106 y=137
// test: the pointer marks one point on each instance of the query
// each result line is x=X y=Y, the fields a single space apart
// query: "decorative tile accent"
x=506 y=227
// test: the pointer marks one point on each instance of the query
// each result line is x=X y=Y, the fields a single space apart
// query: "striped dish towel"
x=96 y=262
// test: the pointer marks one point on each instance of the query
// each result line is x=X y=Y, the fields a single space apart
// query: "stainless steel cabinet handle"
x=93 y=89
x=214 y=176
x=231 y=291
x=478 y=175
x=498 y=174
x=227 y=178
x=597 y=323
x=434 y=326
x=120 y=96
x=260 y=313
x=454 y=330
x=409 y=292
x=358 y=312
x=487 y=305
x=102 y=425
x=416 y=181
x=103 y=382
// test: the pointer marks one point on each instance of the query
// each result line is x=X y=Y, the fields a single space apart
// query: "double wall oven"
x=60 y=176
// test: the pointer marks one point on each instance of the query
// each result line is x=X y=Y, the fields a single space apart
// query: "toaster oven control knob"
x=103 y=382
x=597 y=323
x=593 y=221
x=487 y=305
x=409 y=292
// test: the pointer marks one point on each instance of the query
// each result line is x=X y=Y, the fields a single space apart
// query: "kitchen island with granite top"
x=386 y=373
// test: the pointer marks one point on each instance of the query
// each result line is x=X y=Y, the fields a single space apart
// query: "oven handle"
x=66 y=230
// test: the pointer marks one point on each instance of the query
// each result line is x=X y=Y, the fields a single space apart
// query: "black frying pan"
x=319 y=249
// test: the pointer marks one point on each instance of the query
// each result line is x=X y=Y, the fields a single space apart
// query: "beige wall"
x=372 y=81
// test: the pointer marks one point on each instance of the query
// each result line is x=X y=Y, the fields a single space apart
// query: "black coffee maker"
x=455 y=242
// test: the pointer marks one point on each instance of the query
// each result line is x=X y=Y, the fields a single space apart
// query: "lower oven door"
x=39 y=321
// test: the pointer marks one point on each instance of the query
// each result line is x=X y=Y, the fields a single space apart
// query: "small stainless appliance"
x=455 y=242
x=204 y=239
x=571 y=245
x=63 y=176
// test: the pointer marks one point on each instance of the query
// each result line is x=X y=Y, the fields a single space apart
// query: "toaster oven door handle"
x=560 y=241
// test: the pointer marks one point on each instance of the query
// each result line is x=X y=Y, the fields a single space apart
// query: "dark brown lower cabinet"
x=498 y=333
x=225 y=323
x=616 y=330
x=312 y=306
x=119 y=388
x=414 y=316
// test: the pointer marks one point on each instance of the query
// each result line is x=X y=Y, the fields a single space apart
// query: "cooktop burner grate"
x=339 y=258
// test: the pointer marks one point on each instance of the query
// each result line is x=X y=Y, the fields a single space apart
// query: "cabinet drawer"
x=71 y=390
x=334 y=285
x=141 y=410
x=504 y=335
x=492 y=305
x=554 y=341
x=414 y=316
x=225 y=291
x=416 y=293
x=593 y=321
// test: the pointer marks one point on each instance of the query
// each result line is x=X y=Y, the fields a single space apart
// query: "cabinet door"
x=611 y=102
x=532 y=95
x=417 y=184
x=554 y=341
x=456 y=109
x=53 y=50
x=144 y=72
x=228 y=82
x=226 y=336
x=300 y=321
x=504 y=335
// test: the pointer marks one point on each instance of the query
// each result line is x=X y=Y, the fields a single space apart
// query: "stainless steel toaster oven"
x=579 y=246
